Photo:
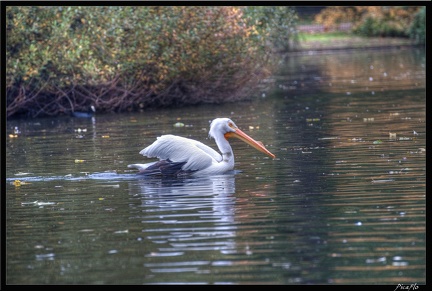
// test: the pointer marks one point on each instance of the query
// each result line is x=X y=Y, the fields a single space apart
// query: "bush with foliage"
x=371 y=20
x=62 y=59
x=417 y=30
x=277 y=24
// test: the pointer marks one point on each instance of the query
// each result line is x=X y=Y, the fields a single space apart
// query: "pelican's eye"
x=232 y=125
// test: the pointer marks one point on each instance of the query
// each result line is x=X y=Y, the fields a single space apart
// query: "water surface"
x=342 y=203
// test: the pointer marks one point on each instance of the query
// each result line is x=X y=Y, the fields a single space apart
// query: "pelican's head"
x=221 y=126
x=227 y=128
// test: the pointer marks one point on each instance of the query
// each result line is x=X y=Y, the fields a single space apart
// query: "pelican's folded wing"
x=197 y=155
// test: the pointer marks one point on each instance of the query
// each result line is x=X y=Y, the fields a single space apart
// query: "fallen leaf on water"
x=45 y=203
x=113 y=186
x=29 y=203
x=382 y=181
x=18 y=183
x=122 y=231
x=37 y=203
x=22 y=174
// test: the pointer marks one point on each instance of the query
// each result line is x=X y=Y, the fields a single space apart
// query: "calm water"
x=342 y=203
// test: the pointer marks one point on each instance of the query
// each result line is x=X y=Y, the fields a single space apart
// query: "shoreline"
x=351 y=44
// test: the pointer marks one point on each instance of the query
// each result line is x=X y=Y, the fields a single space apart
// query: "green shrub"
x=386 y=21
x=417 y=30
x=375 y=26
x=61 y=59
x=277 y=24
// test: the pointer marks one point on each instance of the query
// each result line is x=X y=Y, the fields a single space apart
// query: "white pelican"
x=179 y=156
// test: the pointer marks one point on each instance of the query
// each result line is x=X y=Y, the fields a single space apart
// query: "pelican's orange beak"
x=250 y=141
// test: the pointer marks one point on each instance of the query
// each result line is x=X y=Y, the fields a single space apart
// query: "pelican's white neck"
x=225 y=149
x=218 y=128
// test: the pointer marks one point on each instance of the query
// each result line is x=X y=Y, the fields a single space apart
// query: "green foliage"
x=51 y=50
x=61 y=59
x=277 y=24
x=373 y=26
x=391 y=21
x=417 y=30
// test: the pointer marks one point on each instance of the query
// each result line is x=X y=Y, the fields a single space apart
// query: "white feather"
x=180 y=149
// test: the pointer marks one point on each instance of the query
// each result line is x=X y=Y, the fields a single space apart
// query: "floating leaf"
x=29 y=203
x=45 y=203
x=383 y=181
x=122 y=231
x=18 y=183
x=22 y=174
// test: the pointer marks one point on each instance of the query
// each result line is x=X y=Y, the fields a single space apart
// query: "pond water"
x=343 y=202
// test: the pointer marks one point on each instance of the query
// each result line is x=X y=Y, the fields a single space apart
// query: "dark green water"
x=342 y=203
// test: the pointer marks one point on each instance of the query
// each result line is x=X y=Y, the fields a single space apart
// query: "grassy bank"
x=343 y=40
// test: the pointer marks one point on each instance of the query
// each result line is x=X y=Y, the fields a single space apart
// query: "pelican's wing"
x=208 y=150
x=197 y=155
